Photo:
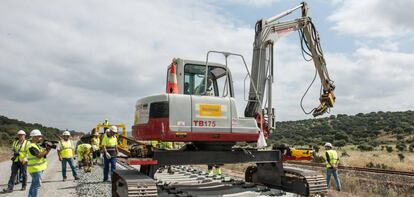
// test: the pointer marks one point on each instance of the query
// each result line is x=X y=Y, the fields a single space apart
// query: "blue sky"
x=70 y=64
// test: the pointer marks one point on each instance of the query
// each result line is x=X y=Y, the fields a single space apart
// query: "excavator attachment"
x=327 y=101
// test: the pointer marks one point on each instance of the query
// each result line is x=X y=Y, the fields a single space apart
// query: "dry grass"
x=378 y=156
x=4 y=153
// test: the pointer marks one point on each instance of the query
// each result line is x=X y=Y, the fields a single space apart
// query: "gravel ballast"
x=90 y=184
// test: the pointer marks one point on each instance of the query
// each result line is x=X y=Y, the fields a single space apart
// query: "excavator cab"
x=191 y=78
x=198 y=107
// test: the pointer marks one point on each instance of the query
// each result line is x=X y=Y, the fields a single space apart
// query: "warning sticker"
x=210 y=110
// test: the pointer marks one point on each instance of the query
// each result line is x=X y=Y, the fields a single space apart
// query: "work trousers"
x=95 y=155
x=36 y=182
x=72 y=167
x=16 y=166
x=334 y=172
x=112 y=162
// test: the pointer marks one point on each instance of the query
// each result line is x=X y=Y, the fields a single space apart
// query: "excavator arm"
x=267 y=31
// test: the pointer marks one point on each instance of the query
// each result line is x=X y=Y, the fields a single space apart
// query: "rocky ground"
x=90 y=184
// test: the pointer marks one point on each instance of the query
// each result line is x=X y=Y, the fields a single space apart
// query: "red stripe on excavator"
x=158 y=129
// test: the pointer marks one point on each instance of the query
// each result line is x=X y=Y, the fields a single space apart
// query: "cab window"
x=194 y=81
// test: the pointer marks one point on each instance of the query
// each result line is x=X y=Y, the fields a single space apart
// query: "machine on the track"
x=199 y=109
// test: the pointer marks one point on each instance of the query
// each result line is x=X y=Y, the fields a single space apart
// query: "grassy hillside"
x=371 y=129
x=9 y=127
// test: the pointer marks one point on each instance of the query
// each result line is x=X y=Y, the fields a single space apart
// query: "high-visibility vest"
x=95 y=142
x=154 y=143
x=21 y=149
x=110 y=142
x=35 y=164
x=333 y=158
x=66 y=150
x=83 y=151
x=166 y=145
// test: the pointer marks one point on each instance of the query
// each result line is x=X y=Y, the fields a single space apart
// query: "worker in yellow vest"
x=217 y=169
x=110 y=151
x=332 y=161
x=19 y=161
x=36 y=162
x=84 y=156
x=106 y=124
x=95 y=142
x=65 y=152
x=162 y=145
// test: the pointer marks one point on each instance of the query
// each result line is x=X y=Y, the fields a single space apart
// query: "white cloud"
x=72 y=64
x=60 y=60
x=255 y=3
x=374 y=18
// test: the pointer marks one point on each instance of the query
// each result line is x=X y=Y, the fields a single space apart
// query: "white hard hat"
x=327 y=144
x=35 y=132
x=21 y=132
x=114 y=129
x=66 y=133
x=107 y=131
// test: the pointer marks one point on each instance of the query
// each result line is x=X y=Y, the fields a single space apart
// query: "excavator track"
x=132 y=183
x=315 y=183
x=297 y=180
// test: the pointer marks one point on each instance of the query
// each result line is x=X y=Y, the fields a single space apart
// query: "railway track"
x=371 y=170
x=190 y=181
x=193 y=181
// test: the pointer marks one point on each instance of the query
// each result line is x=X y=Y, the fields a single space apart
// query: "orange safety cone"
x=172 y=79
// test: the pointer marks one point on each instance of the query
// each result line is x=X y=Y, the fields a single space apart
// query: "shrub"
x=374 y=143
x=365 y=147
x=389 y=149
x=410 y=149
x=401 y=146
x=401 y=157
x=340 y=143
x=378 y=165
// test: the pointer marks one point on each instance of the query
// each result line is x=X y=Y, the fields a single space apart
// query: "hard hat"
x=327 y=144
x=66 y=133
x=114 y=129
x=107 y=131
x=21 y=132
x=35 y=132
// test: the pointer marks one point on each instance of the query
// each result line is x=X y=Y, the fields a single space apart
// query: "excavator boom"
x=267 y=31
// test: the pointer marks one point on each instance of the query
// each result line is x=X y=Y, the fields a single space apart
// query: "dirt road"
x=52 y=184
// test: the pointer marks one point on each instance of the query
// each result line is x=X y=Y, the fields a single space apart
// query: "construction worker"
x=19 y=161
x=96 y=153
x=110 y=151
x=79 y=142
x=84 y=156
x=37 y=162
x=217 y=170
x=106 y=124
x=65 y=152
x=332 y=161
x=163 y=146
